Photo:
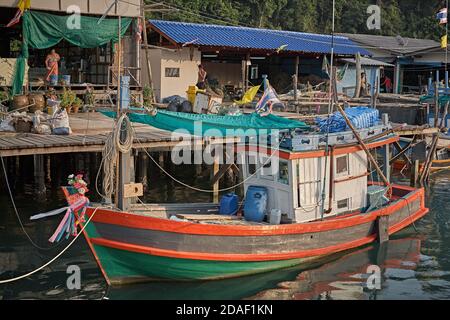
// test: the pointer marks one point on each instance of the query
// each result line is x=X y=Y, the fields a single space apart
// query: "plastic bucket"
x=53 y=80
x=65 y=80
x=275 y=216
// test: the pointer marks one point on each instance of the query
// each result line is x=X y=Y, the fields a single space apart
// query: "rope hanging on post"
x=114 y=144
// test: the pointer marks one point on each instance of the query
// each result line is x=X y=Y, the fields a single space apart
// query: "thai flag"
x=442 y=16
x=139 y=30
x=16 y=18
x=269 y=96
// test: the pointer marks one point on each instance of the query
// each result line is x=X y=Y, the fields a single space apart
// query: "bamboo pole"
x=149 y=68
x=358 y=75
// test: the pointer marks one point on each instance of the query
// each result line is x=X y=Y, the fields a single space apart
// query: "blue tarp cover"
x=361 y=117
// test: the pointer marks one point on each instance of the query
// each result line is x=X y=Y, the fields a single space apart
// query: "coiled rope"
x=119 y=140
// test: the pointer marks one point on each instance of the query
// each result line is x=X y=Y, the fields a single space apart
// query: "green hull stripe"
x=123 y=266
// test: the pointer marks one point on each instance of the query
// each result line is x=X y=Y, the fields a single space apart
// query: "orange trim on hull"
x=256 y=257
x=159 y=224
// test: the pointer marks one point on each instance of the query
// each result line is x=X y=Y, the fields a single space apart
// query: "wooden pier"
x=90 y=131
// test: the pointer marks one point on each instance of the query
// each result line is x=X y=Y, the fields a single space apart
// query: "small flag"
x=249 y=95
x=325 y=65
x=269 y=97
x=22 y=6
x=281 y=48
x=16 y=18
x=138 y=30
x=444 y=41
x=442 y=16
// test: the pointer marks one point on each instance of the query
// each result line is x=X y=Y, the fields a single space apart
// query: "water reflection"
x=413 y=265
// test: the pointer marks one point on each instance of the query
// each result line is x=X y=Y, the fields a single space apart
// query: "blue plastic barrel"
x=229 y=204
x=255 y=203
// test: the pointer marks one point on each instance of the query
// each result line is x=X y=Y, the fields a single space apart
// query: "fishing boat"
x=317 y=202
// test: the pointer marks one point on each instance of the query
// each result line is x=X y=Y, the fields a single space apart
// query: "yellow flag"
x=444 y=41
x=24 y=4
x=249 y=95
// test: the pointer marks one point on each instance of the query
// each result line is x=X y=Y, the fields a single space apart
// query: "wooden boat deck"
x=90 y=131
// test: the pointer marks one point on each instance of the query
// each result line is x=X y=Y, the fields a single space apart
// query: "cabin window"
x=251 y=160
x=172 y=72
x=342 y=165
x=283 y=172
x=342 y=204
x=267 y=168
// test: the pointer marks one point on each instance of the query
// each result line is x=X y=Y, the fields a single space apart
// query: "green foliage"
x=408 y=18
x=68 y=98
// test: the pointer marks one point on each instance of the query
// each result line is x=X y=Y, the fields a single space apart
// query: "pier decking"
x=90 y=131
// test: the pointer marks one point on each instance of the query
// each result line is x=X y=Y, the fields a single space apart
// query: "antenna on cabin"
x=330 y=110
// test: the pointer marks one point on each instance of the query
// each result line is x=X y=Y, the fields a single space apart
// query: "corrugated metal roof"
x=396 y=45
x=252 y=38
x=368 y=62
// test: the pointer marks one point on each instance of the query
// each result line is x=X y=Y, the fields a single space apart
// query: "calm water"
x=414 y=265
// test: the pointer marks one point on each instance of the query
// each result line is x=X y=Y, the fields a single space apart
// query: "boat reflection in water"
x=337 y=277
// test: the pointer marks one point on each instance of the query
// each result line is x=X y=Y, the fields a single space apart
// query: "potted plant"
x=67 y=99
x=147 y=95
x=77 y=102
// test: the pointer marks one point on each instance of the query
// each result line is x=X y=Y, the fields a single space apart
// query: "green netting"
x=43 y=30
x=443 y=99
x=213 y=125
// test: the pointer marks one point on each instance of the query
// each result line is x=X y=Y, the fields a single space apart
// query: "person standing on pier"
x=51 y=63
x=387 y=83
x=201 y=83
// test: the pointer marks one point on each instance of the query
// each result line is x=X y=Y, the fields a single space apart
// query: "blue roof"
x=252 y=38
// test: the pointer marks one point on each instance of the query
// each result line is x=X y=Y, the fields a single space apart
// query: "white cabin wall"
x=311 y=185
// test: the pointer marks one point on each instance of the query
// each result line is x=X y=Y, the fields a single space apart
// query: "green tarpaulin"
x=213 y=125
x=43 y=30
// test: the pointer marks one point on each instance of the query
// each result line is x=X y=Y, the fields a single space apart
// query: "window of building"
x=254 y=72
x=342 y=204
x=173 y=72
x=342 y=165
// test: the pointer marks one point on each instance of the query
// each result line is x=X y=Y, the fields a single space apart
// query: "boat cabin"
x=304 y=181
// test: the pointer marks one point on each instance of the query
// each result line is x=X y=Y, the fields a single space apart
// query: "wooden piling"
x=414 y=173
x=39 y=173
x=383 y=228
x=216 y=184
x=142 y=168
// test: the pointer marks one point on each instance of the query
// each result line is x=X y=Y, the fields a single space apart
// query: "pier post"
x=126 y=164
x=386 y=162
x=48 y=168
x=414 y=174
x=216 y=184
x=39 y=174
x=143 y=168
x=383 y=228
